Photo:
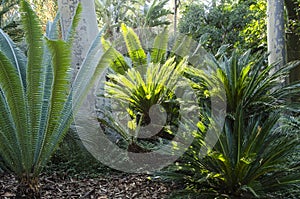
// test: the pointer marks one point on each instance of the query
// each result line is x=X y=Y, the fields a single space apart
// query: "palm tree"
x=36 y=102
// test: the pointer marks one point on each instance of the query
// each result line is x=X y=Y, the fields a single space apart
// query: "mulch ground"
x=115 y=187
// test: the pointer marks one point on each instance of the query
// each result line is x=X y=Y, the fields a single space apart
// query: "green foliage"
x=140 y=81
x=254 y=33
x=155 y=14
x=248 y=161
x=134 y=13
x=36 y=102
x=250 y=158
x=10 y=20
x=238 y=23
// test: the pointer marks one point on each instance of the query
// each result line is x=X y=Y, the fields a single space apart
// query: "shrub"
x=250 y=158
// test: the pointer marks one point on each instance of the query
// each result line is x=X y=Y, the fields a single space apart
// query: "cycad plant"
x=36 y=99
x=140 y=80
x=141 y=96
x=249 y=159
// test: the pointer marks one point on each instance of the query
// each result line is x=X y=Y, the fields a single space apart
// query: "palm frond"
x=34 y=74
x=93 y=63
x=52 y=28
x=9 y=149
x=118 y=63
x=15 y=105
x=60 y=90
x=72 y=29
x=134 y=47
x=159 y=47
x=16 y=56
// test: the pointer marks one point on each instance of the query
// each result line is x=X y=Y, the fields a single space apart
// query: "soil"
x=113 y=186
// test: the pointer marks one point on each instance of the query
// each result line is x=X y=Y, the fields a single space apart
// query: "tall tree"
x=276 y=31
x=293 y=35
x=86 y=31
x=240 y=24
x=176 y=6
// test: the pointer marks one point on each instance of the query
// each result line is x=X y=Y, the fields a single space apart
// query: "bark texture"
x=293 y=37
x=86 y=31
x=276 y=32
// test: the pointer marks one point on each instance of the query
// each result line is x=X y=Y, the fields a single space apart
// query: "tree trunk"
x=86 y=31
x=175 y=14
x=276 y=32
x=293 y=38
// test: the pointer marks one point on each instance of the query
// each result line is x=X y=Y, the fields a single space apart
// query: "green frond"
x=155 y=13
x=15 y=55
x=35 y=73
x=52 y=28
x=118 y=63
x=93 y=62
x=61 y=63
x=15 y=104
x=72 y=29
x=134 y=47
x=160 y=47
x=181 y=46
x=92 y=67
x=52 y=33
x=10 y=150
x=46 y=99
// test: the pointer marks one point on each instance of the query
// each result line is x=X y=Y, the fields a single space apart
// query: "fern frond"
x=160 y=47
x=35 y=73
x=182 y=46
x=61 y=63
x=134 y=47
x=72 y=29
x=10 y=149
x=15 y=55
x=52 y=28
x=11 y=88
x=118 y=63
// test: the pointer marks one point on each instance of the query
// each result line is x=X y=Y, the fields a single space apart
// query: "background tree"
x=238 y=23
x=293 y=35
x=45 y=9
x=276 y=32
x=134 y=13
x=10 y=20
x=86 y=30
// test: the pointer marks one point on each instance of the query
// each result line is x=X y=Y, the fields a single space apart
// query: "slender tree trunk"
x=175 y=14
x=293 y=38
x=276 y=32
x=86 y=31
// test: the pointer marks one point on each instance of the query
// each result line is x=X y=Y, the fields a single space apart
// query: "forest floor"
x=102 y=187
